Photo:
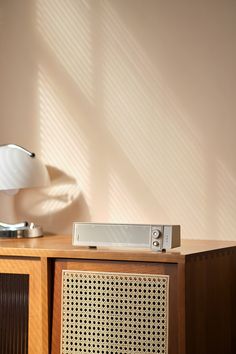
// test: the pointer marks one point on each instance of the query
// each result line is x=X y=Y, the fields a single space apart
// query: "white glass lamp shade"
x=20 y=168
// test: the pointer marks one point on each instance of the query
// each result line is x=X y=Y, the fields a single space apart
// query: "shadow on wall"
x=55 y=207
x=108 y=118
x=135 y=100
x=130 y=85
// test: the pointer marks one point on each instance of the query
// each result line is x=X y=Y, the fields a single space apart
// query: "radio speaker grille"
x=114 y=313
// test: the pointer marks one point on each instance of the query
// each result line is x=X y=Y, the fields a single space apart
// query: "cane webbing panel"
x=114 y=313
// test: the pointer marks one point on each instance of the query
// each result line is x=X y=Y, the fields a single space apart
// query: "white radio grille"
x=114 y=313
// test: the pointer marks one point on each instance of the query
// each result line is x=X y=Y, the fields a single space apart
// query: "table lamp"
x=19 y=169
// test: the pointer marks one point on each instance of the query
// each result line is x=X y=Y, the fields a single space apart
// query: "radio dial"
x=156 y=234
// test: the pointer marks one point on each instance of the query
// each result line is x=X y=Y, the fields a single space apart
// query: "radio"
x=153 y=237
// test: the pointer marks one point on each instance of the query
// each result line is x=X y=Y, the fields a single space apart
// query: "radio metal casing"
x=154 y=237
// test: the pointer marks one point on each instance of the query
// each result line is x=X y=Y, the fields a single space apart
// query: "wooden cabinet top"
x=59 y=246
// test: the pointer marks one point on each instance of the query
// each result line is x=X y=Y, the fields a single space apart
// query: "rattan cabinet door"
x=108 y=307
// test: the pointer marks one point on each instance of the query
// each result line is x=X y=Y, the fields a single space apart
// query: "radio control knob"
x=156 y=233
x=155 y=243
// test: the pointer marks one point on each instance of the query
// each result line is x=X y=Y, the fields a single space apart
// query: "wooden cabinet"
x=110 y=301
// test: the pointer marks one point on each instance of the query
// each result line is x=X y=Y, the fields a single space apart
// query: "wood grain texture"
x=61 y=247
x=33 y=269
x=210 y=303
x=203 y=287
x=45 y=303
x=181 y=308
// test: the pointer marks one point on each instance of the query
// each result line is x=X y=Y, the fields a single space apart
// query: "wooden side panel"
x=181 y=286
x=210 y=303
x=119 y=267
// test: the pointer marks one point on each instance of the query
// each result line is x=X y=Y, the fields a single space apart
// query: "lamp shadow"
x=56 y=207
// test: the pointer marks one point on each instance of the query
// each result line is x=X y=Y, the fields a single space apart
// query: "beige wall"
x=130 y=103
